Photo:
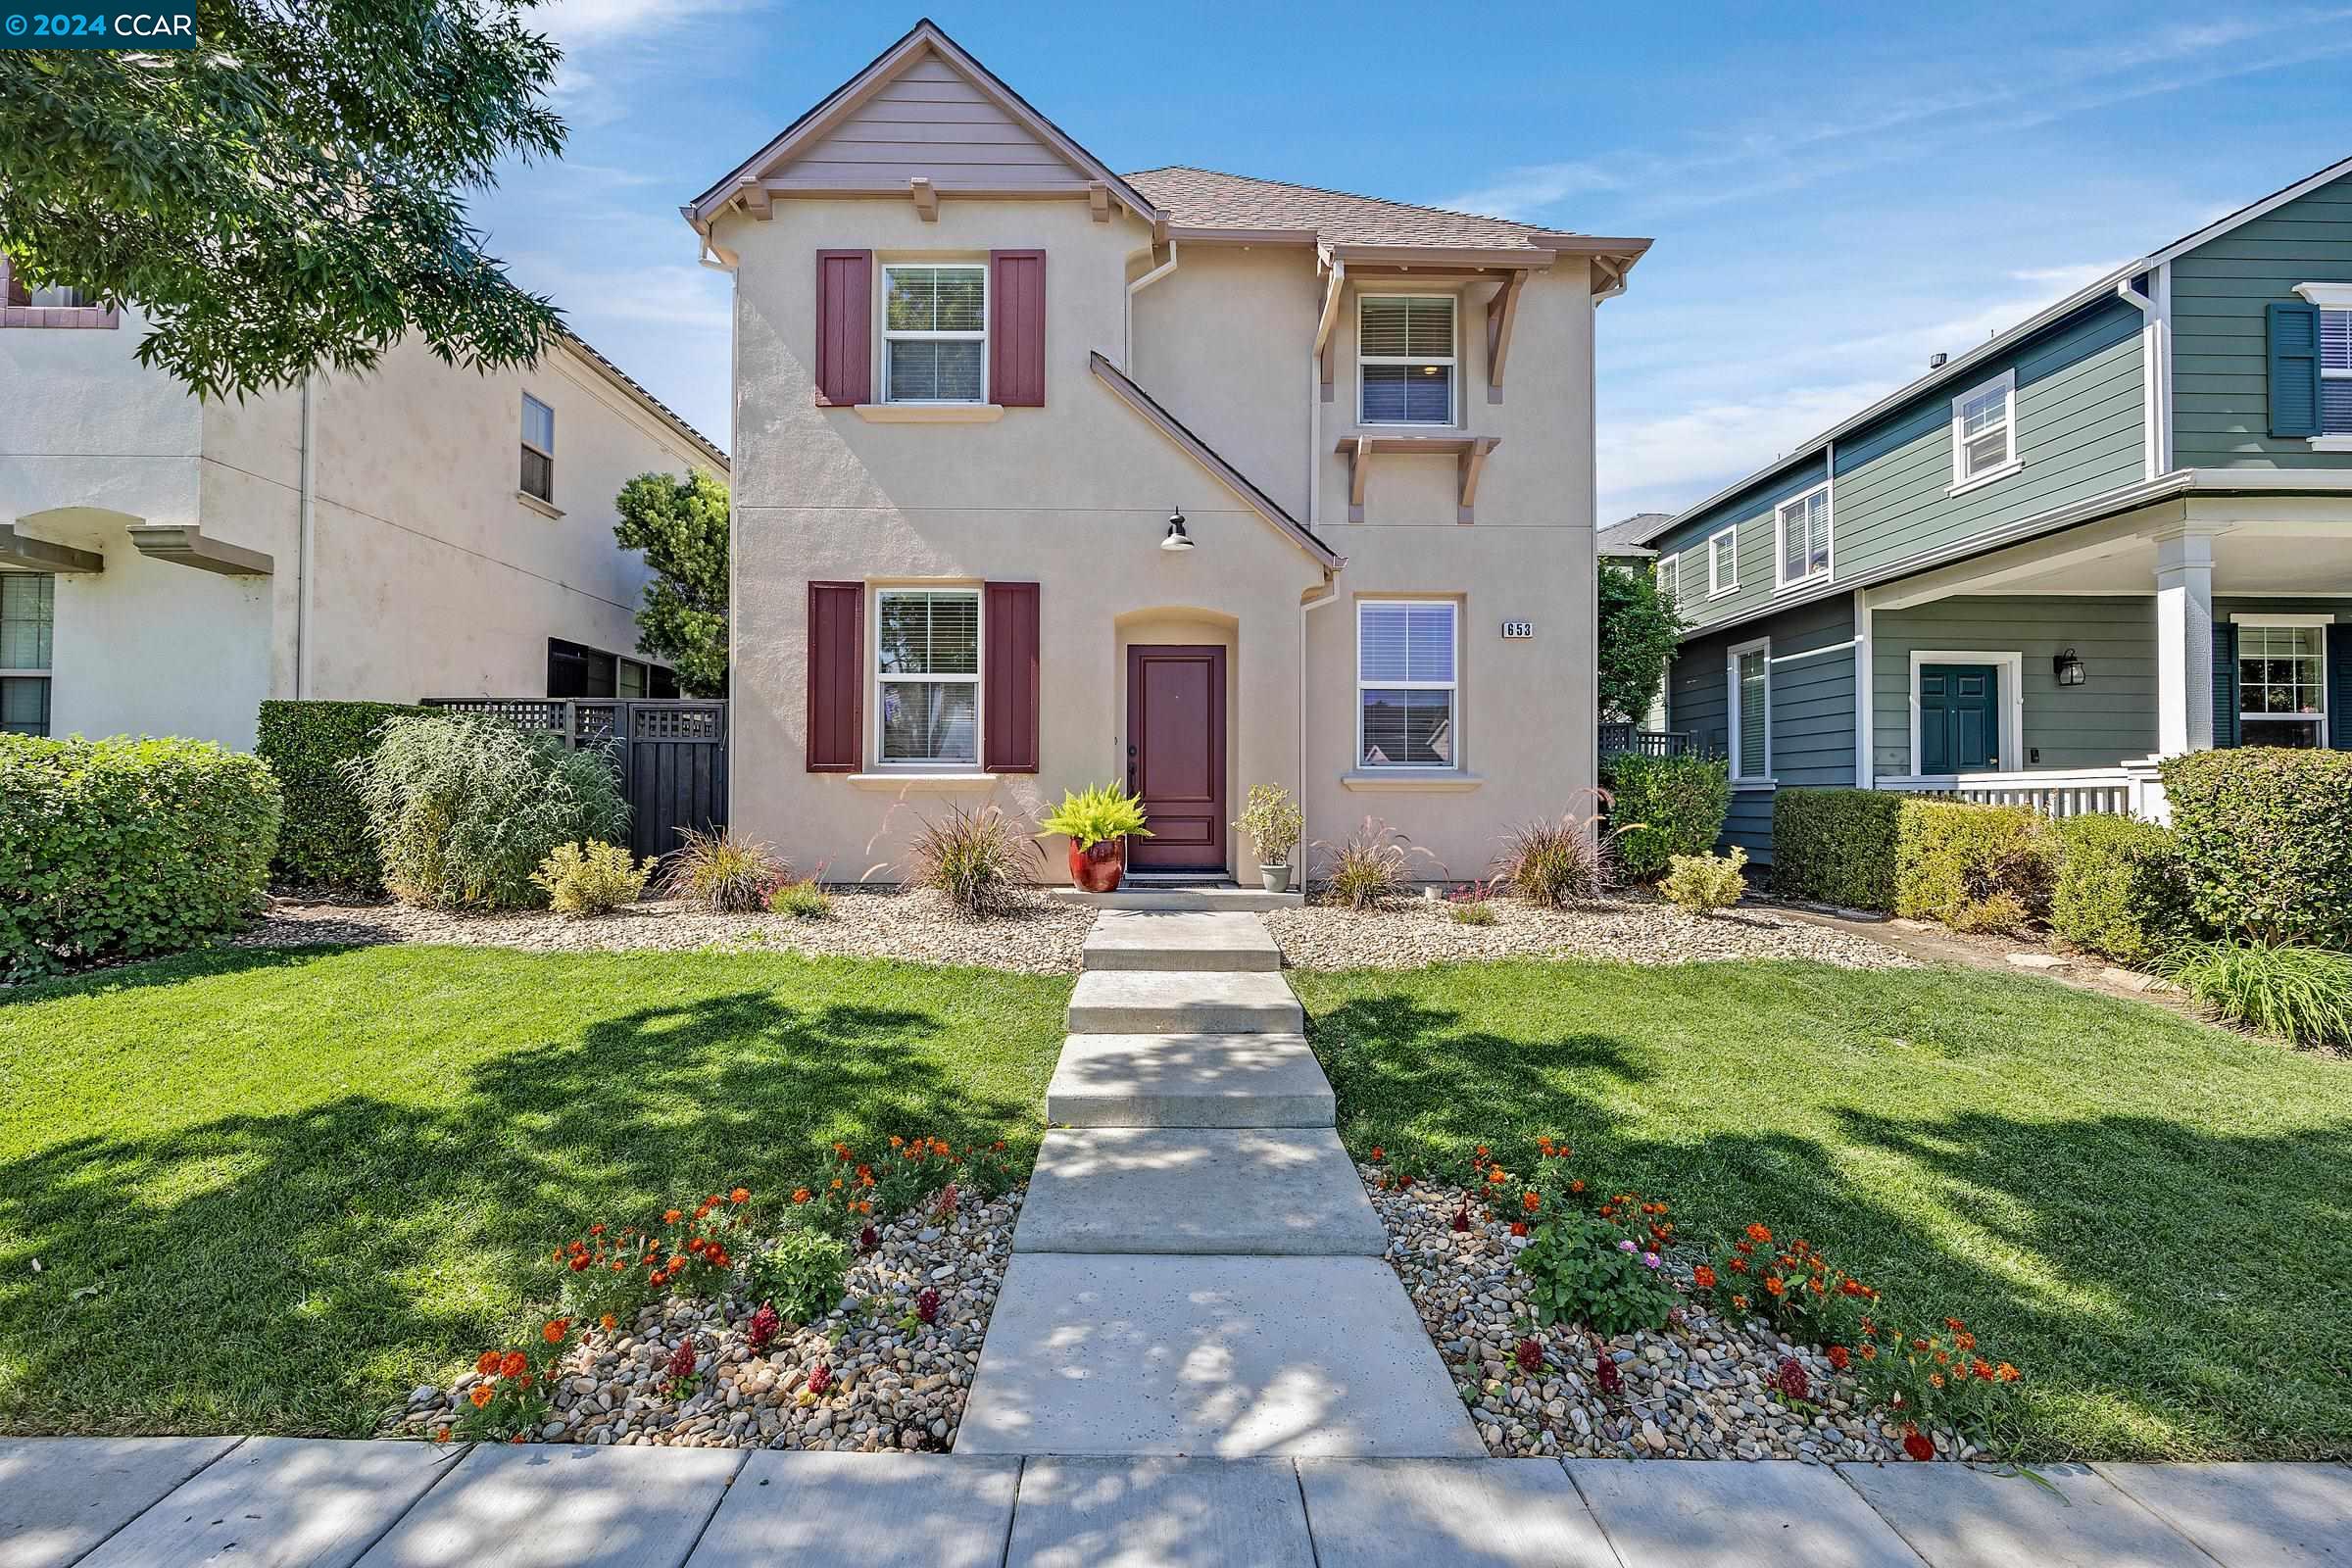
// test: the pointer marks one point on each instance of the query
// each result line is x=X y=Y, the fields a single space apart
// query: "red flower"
x=1789 y=1377
x=1605 y=1374
x=1759 y=1233
x=927 y=1306
x=1703 y=1277
x=1838 y=1359
x=1916 y=1445
x=1531 y=1355
x=1518 y=1227
x=1461 y=1219
x=681 y=1360
x=761 y=1331
x=555 y=1331
x=820 y=1378
x=514 y=1364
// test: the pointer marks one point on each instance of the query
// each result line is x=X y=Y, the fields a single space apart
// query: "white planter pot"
x=1276 y=878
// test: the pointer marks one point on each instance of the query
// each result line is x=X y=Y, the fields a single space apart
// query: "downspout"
x=1329 y=595
x=305 y=535
x=1133 y=289
x=2155 y=373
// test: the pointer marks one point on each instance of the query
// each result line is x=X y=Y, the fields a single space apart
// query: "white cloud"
x=1666 y=461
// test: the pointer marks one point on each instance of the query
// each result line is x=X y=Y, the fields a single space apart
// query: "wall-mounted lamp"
x=2067 y=667
x=1177 y=538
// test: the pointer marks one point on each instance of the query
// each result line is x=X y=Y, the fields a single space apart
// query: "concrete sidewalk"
x=286 y=1503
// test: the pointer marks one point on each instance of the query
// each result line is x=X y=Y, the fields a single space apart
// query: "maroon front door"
x=1176 y=756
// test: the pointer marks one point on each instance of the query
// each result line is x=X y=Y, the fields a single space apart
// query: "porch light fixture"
x=1177 y=538
x=2067 y=667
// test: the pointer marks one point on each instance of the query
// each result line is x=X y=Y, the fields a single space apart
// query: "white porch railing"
x=2132 y=789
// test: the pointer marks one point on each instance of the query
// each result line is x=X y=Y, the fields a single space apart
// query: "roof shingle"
x=1203 y=198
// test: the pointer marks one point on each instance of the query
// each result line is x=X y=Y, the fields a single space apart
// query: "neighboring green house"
x=2119 y=530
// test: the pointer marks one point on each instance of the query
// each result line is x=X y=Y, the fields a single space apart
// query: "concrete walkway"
x=1196 y=1270
x=287 y=1502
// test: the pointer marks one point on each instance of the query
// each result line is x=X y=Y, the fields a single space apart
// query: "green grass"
x=2150 y=1217
x=275 y=1190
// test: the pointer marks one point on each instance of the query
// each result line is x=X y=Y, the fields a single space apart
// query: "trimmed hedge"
x=2123 y=889
x=326 y=842
x=124 y=848
x=1835 y=846
x=1671 y=805
x=1974 y=867
x=2266 y=834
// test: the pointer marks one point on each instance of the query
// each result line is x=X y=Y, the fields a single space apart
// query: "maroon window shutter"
x=844 y=306
x=836 y=676
x=1011 y=615
x=1017 y=336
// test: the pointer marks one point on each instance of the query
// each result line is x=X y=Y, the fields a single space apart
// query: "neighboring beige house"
x=979 y=377
x=166 y=565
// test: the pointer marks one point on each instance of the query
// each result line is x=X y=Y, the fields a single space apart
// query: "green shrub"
x=1102 y=811
x=2267 y=836
x=1470 y=912
x=121 y=848
x=1702 y=884
x=801 y=1273
x=325 y=841
x=593 y=878
x=463 y=808
x=803 y=901
x=1662 y=807
x=725 y=875
x=1835 y=846
x=972 y=858
x=2122 y=890
x=1579 y=1270
x=1551 y=864
x=1372 y=866
x=1974 y=867
x=2298 y=994
x=1272 y=821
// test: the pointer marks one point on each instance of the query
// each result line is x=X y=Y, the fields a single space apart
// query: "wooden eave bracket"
x=756 y=199
x=926 y=198
x=42 y=555
x=1098 y=200
x=1469 y=454
x=1502 y=313
x=1333 y=287
x=1469 y=463
x=186 y=546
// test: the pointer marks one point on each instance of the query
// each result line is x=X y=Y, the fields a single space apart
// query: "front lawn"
x=275 y=1190
x=2152 y=1218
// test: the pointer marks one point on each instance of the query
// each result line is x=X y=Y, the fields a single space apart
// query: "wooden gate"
x=670 y=754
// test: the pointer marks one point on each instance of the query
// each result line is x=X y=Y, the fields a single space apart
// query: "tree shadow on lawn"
x=2170 y=1291
x=296 y=1272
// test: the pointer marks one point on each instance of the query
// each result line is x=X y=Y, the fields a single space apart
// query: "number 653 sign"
x=1514 y=631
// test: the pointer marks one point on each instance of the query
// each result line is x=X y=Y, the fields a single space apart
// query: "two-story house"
x=2120 y=530
x=419 y=531
x=1047 y=474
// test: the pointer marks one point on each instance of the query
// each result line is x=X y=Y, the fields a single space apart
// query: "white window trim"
x=2331 y=296
x=1667 y=575
x=1452 y=361
x=2012 y=666
x=977 y=680
x=1453 y=606
x=543 y=504
x=988 y=307
x=1962 y=479
x=1781 y=581
x=2319 y=720
x=1731 y=673
x=1717 y=584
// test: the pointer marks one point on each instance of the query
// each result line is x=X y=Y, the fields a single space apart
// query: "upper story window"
x=1723 y=561
x=2335 y=372
x=927 y=674
x=1404 y=358
x=1984 y=431
x=1662 y=572
x=935 y=333
x=1406 y=684
x=538 y=449
x=1801 y=537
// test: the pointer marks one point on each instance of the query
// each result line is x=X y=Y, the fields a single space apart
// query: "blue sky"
x=1836 y=194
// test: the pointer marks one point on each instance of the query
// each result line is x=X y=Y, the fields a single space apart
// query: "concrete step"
x=1197 y=1191
x=1269 y=1080
x=1179 y=900
x=1224 y=1357
x=1200 y=940
x=1192 y=1002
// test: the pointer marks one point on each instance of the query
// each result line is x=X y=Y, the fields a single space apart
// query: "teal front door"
x=1959 y=718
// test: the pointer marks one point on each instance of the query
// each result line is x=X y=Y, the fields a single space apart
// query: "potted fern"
x=1270 y=818
x=1097 y=822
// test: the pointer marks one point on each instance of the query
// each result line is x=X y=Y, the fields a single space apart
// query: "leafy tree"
x=1638 y=631
x=680 y=523
x=288 y=193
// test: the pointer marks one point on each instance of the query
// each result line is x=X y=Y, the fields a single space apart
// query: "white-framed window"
x=935 y=332
x=1663 y=571
x=538 y=449
x=1404 y=358
x=1723 y=561
x=1406 y=683
x=27 y=620
x=2335 y=371
x=1984 y=431
x=1800 y=537
x=2283 y=682
x=927 y=677
x=1747 y=672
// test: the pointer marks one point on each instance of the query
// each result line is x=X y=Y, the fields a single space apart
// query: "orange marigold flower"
x=556 y=1329
x=799 y=1194
x=1531 y=1201
x=939 y=1146
x=1496 y=1177
x=1964 y=1341
x=1935 y=1380
x=1481 y=1150
x=1377 y=1153
x=1577 y=1186
x=837 y=1184
x=514 y=1364
x=1870 y=1352
x=1982 y=1369
x=674 y=1216
x=1759 y=1233
x=1740 y=1301
x=1773 y=1286
x=695 y=1247
x=487 y=1363
x=841 y=1151
x=607 y=1322
x=895 y=1141
x=740 y=1195
x=2006 y=1373
x=1703 y=1277
x=440 y=1434
x=1954 y=1324
x=596 y=1230
x=481 y=1394
x=580 y=1262
x=1518 y=1227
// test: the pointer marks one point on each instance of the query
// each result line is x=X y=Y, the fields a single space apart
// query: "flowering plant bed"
x=1510 y=1277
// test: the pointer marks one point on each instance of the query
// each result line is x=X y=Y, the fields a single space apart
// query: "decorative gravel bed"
x=1040 y=936
x=1407 y=933
x=1703 y=1389
x=886 y=1386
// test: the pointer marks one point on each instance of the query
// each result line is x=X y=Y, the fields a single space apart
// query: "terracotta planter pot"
x=1099 y=869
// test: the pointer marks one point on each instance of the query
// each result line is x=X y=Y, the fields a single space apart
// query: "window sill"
x=1990 y=476
x=1425 y=781
x=1756 y=784
x=1794 y=583
x=1724 y=593
x=2331 y=443
x=543 y=507
x=930 y=412
x=929 y=782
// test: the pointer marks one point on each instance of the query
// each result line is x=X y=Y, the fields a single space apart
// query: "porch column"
x=2183 y=642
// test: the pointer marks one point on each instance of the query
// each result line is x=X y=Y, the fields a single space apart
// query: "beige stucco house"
x=1047 y=474
x=166 y=564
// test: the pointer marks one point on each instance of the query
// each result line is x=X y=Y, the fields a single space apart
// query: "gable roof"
x=924 y=38
x=595 y=360
x=1624 y=538
x=1961 y=364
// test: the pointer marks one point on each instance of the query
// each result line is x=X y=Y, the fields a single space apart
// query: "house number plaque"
x=1514 y=631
